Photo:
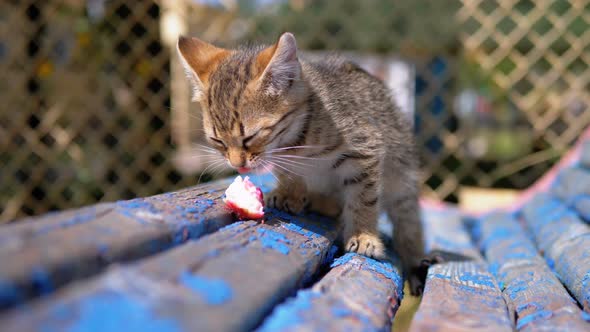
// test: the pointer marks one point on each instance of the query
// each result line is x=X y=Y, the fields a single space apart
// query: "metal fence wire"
x=94 y=106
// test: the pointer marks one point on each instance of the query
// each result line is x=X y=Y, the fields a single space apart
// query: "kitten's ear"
x=279 y=65
x=199 y=60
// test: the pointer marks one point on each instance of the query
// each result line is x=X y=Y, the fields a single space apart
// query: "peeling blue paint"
x=274 y=240
x=586 y=316
x=331 y=254
x=341 y=312
x=498 y=234
x=288 y=314
x=300 y=230
x=366 y=263
x=516 y=287
x=550 y=263
x=529 y=305
x=519 y=255
x=343 y=259
x=129 y=207
x=494 y=268
x=110 y=311
x=440 y=276
x=41 y=280
x=478 y=279
x=213 y=291
x=538 y=315
x=10 y=294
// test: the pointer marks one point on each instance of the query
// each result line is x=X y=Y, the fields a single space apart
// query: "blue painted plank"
x=50 y=251
x=357 y=294
x=227 y=281
x=459 y=296
x=462 y=296
x=573 y=187
x=535 y=295
x=564 y=241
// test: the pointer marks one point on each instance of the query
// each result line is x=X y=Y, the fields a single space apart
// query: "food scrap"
x=245 y=199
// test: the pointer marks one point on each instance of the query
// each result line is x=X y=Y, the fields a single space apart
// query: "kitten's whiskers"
x=284 y=167
x=264 y=164
x=296 y=147
x=275 y=158
x=213 y=163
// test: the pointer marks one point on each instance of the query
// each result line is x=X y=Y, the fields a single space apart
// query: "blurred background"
x=94 y=105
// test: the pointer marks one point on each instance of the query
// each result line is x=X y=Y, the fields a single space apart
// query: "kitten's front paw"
x=366 y=244
x=291 y=202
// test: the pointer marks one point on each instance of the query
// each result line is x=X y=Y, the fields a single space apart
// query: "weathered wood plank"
x=535 y=295
x=459 y=296
x=564 y=241
x=573 y=187
x=47 y=252
x=226 y=281
x=357 y=294
x=585 y=154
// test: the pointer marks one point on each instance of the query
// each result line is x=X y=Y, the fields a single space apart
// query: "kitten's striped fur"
x=329 y=131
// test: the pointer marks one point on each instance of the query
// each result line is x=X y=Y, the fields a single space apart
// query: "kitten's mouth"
x=254 y=170
x=244 y=170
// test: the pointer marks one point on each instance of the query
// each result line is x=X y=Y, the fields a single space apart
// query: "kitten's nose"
x=237 y=159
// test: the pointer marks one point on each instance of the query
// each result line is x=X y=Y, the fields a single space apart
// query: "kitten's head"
x=253 y=99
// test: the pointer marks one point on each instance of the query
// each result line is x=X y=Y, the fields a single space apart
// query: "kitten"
x=326 y=129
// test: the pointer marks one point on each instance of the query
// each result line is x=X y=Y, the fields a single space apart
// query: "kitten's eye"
x=248 y=140
x=218 y=142
x=259 y=136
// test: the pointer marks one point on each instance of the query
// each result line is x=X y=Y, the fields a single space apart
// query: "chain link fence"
x=95 y=107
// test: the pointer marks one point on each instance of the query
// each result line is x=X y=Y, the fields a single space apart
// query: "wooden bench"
x=180 y=262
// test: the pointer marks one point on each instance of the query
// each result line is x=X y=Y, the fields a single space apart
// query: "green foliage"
x=380 y=26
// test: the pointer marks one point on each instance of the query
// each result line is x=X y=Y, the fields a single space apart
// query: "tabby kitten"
x=326 y=129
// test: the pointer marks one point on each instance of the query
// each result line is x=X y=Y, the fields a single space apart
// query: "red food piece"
x=245 y=199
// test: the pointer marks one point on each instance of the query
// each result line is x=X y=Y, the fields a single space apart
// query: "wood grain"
x=537 y=299
x=563 y=239
x=227 y=281
x=459 y=296
x=50 y=251
x=357 y=294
